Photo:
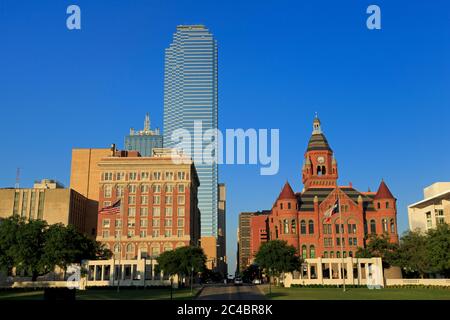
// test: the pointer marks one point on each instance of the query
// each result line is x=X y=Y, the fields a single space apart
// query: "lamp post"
x=145 y=269
x=192 y=277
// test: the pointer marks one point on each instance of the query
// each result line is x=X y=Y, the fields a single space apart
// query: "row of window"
x=25 y=210
x=330 y=254
x=156 y=211
x=143 y=233
x=338 y=229
x=439 y=216
x=144 y=223
x=352 y=241
x=386 y=227
x=144 y=176
x=144 y=200
x=154 y=249
x=144 y=189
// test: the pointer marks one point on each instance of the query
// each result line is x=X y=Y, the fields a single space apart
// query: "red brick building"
x=298 y=218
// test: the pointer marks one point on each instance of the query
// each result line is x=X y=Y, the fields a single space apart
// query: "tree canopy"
x=379 y=246
x=276 y=257
x=182 y=261
x=36 y=248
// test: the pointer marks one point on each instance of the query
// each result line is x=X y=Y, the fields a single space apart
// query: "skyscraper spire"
x=147 y=122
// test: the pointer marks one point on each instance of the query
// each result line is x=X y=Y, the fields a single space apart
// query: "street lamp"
x=192 y=276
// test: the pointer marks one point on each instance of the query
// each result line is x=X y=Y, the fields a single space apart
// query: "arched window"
x=116 y=248
x=325 y=254
x=294 y=226
x=130 y=248
x=289 y=205
x=392 y=226
x=338 y=254
x=312 y=252
x=304 y=252
x=303 y=227
x=324 y=170
x=281 y=206
x=286 y=226
x=378 y=205
x=311 y=227
x=387 y=205
x=319 y=171
x=385 y=225
x=373 y=226
x=350 y=254
x=331 y=254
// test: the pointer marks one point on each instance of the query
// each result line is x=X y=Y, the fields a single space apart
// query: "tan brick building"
x=159 y=203
x=47 y=200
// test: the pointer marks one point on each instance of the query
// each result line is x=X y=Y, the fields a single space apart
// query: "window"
x=155 y=223
x=118 y=223
x=169 y=200
x=132 y=188
x=289 y=206
x=120 y=176
x=385 y=225
x=132 y=176
x=168 y=175
x=181 y=212
x=181 y=175
x=168 y=211
x=156 y=200
x=145 y=176
x=285 y=226
x=144 y=222
x=311 y=227
x=155 y=233
x=106 y=204
x=144 y=188
x=106 y=223
x=144 y=200
x=167 y=222
x=378 y=205
x=119 y=191
x=130 y=248
x=16 y=202
x=303 y=227
x=169 y=188
x=373 y=226
x=24 y=203
x=392 y=225
x=325 y=254
x=387 y=205
x=105 y=234
x=338 y=241
x=156 y=188
x=181 y=200
x=312 y=252
x=131 y=199
x=440 y=218
x=181 y=188
x=304 y=252
x=294 y=226
x=131 y=223
x=338 y=254
x=281 y=206
x=429 y=222
x=328 y=242
x=327 y=229
x=107 y=176
x=180 y=233
x=331 y=254
x=144 y=212
x=156 y=212
x=180 y=223
x=107 y=191
x=143 y=233
x=130 y=233
x=41 y=205
x=117 y=234
x=339 y=230
x=156 y=175
x=131 y=211
x=167 y=233
x=351 y=228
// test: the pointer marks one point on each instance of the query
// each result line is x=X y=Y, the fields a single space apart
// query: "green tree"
x=35 y=248
x=251 y=273
x=276 y=257
x=379 y=246
x=413 y=253
x=438 y=248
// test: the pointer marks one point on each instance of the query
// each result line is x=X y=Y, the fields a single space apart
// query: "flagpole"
x=120 y=246
x=342 y=240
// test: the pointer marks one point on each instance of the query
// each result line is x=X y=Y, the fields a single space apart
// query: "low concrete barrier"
x=418 y=282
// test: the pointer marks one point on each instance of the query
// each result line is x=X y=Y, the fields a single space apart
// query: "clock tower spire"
x=320 y=167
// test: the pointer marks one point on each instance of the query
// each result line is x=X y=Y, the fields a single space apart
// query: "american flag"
x=114 y=209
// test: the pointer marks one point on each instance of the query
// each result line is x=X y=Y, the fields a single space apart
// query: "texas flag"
x=333 y=210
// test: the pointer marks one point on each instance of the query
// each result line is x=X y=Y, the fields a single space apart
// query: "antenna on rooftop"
x=17 y=185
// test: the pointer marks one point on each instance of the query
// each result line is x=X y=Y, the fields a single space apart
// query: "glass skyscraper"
x=144 y=140
x=190 y=94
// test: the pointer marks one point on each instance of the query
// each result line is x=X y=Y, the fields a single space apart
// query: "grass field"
x=357 y=294
x=99 y=294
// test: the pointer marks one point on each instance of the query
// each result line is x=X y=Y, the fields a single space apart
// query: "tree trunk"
x=34 y=276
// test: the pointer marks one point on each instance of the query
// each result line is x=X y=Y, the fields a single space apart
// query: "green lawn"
x=357 y=294
x=111 y=294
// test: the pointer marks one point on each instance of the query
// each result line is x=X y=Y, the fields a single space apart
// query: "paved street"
x=230 y=292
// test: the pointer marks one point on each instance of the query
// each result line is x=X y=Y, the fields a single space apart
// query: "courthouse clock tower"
x=319 y=167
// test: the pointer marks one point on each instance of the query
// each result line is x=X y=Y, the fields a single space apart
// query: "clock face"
x=321 y=159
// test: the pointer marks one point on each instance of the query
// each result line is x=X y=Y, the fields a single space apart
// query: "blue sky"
x=383 y=96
